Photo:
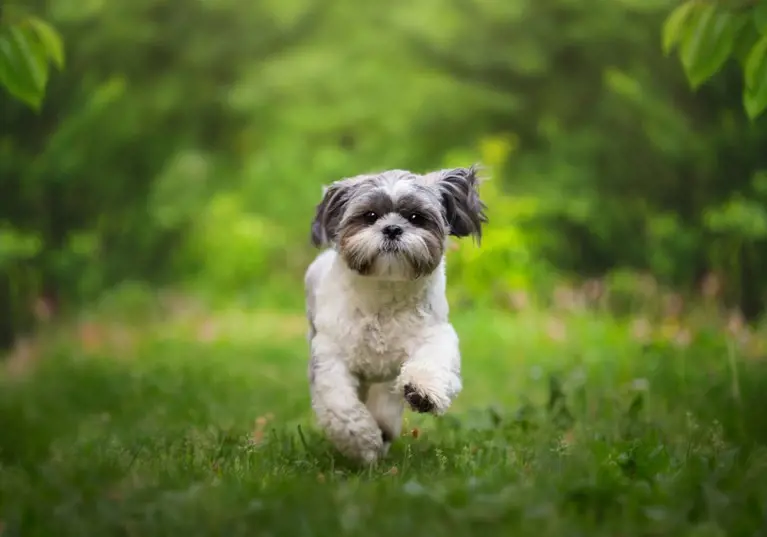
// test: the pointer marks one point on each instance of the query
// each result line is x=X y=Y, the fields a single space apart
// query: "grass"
x=568 y=425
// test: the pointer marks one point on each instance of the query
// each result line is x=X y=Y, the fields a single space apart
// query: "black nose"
x=392 y=232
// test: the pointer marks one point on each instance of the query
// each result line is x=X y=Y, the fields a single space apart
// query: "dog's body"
x=378 y=315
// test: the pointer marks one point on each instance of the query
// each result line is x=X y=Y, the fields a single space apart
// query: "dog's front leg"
x=431 y=377
x=336 y=402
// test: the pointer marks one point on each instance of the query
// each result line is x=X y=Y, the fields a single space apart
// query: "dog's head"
x=395 y=224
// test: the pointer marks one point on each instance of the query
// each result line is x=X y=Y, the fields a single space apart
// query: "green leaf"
x=755 y=93
x=746 y=39
x=674 y=25
x=23 y=64
x=754 y=102
x=708 y=40
x=50 y=39
x=756 y=64
x=760 y=17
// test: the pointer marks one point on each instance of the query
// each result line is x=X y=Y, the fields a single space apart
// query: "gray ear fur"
x=464 y=210
x=329 y=212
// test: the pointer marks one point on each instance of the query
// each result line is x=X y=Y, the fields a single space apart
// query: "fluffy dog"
x=379 y=332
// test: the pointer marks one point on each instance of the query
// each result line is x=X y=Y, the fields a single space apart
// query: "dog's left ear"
x=464 y=210
x=329 y=212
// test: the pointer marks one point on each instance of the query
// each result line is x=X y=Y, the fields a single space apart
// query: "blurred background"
x=184 y=145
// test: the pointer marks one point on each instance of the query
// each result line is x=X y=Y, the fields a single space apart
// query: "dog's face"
x=394 y=225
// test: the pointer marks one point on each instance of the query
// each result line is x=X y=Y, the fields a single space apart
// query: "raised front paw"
x=418 y=402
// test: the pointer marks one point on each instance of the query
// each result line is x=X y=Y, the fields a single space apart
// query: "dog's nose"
x=392 y=231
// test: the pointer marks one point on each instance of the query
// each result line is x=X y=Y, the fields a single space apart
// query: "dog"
x=379 y=333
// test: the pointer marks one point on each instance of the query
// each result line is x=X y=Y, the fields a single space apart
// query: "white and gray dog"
x=378 y=315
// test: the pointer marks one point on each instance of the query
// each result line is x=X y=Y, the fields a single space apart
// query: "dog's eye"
x=370 y=217
x=416 y=219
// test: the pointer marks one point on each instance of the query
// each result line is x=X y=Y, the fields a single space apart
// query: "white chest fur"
x=375 y=323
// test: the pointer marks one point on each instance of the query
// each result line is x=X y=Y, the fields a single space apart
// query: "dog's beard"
x=406 y=258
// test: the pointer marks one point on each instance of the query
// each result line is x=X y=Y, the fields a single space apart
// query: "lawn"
x=197 y=423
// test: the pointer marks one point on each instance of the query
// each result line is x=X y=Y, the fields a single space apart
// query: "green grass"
x=593 y=434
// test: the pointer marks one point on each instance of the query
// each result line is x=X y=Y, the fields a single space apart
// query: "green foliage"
x=706 y=34
x=507 y=259
x=192 y=149
x=224 y=237
x=91 y=174
x=745 y=218
x=28 y=46
x=17 y=247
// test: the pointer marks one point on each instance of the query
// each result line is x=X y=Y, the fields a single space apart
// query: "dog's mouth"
x=391 y=247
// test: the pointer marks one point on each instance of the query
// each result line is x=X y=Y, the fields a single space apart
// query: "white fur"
x=370 y=336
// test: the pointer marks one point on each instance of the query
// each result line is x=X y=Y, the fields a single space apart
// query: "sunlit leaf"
x=50 y=39
x=755 y=102
x=23 y=64
x=708 y=41
x=756 y=64
x=674 y=25
x=755 y=93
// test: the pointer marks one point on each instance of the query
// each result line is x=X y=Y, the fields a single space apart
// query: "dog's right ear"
x=464 y=210
x=329 y=212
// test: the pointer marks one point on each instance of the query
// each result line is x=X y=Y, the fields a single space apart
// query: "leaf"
x=708 y=41
x=754 y=103
x=760 y=17
x=756 y=64
x=746 y=39
x=23 y=65
x=674 y=25
x=755 y=93
x=50 y=39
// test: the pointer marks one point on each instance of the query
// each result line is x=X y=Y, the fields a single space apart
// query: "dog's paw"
x=424 y=390
x=418 y=402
